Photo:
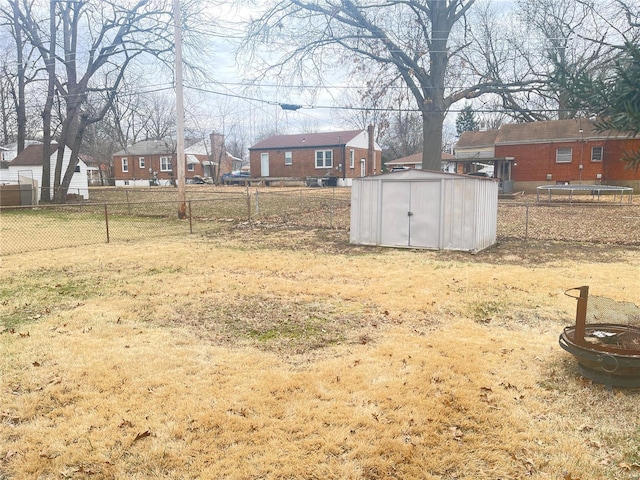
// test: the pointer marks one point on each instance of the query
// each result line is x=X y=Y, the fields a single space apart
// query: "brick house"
x=153 y=162
x=344 y=154
x=552 y=152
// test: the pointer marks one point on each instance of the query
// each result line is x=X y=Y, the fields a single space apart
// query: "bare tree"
x=159 y=112
x=532 y=45
x=418 y=41
x=18 y=86
x=7 y=104
x=99 y=41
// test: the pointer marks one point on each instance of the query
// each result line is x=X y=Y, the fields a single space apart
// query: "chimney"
x=371 y=153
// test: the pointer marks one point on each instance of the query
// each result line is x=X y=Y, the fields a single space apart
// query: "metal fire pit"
x=605 y=339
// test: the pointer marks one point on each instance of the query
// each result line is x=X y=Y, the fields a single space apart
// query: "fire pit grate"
x=605 y=339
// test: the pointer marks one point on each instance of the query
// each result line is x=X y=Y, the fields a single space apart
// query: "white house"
x=10 y=151
x=27 y=168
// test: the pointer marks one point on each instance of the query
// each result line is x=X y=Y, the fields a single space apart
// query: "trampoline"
x=594 y=190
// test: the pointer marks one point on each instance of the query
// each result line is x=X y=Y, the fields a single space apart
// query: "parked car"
x=235 y=178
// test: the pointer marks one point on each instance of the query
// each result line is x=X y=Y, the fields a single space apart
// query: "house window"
x=165 y=164
x=141 y=162
x=563 y=155
x=288 y=158
x=352 y=159
x=596 y=154
x=77 y=169
x=190 y=167
x=324 y=158
x=125 y=164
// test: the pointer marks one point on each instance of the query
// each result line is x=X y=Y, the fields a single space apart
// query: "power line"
x=286 y=106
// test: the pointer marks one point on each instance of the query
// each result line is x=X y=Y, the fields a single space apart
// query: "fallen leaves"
x=141 y=435
x=629 y=466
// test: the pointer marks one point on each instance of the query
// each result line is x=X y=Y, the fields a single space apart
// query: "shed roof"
x=415 y=174
x=301 y=140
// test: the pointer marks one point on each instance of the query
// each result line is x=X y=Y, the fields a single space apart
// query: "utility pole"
x=180 y=160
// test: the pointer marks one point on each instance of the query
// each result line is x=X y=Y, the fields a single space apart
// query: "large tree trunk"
x=61 y=193
x=432 y=140
x=71 y=129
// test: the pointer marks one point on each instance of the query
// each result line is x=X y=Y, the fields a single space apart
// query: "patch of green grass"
x=485 y=312
x=307 y=329
x=166 y=269
x=29 y=297
x=273 y=323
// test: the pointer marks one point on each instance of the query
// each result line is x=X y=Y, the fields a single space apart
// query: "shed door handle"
x=410 y=214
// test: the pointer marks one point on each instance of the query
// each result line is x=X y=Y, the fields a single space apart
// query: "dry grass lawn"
x=271 y=354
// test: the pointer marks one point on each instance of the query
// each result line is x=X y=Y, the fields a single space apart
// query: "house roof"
x=32 y=156
x=148 y=147
x=301 y=140
x=416 y=158
x=549 y=130
x=484 y=138
x=576 y=129
x=166 y=146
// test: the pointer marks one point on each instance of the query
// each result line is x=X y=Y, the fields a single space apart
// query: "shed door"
x=410 y=214
x=424 y=225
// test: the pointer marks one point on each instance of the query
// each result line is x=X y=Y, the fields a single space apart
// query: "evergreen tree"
x=613 y=97
x=622 y=111
x=466 y=120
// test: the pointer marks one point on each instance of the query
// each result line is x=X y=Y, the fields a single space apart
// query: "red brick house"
x=344 y=154
x=153 y=162
x=553 y=152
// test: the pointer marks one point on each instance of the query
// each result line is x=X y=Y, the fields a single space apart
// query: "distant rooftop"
x=301 y=140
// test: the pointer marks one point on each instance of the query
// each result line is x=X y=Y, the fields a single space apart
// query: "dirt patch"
x=277 y=324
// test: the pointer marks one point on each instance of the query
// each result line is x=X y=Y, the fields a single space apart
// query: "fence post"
x=106 y=220
x=190 y=222
x=249 y=205
x=333 y=199
x=526 y=222
x=128 y=204
x=257 y=203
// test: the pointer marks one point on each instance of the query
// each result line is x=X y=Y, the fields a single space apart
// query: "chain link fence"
x=572 y=222
x=120 y=215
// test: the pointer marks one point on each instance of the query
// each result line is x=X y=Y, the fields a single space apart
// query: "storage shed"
x=421 y=209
